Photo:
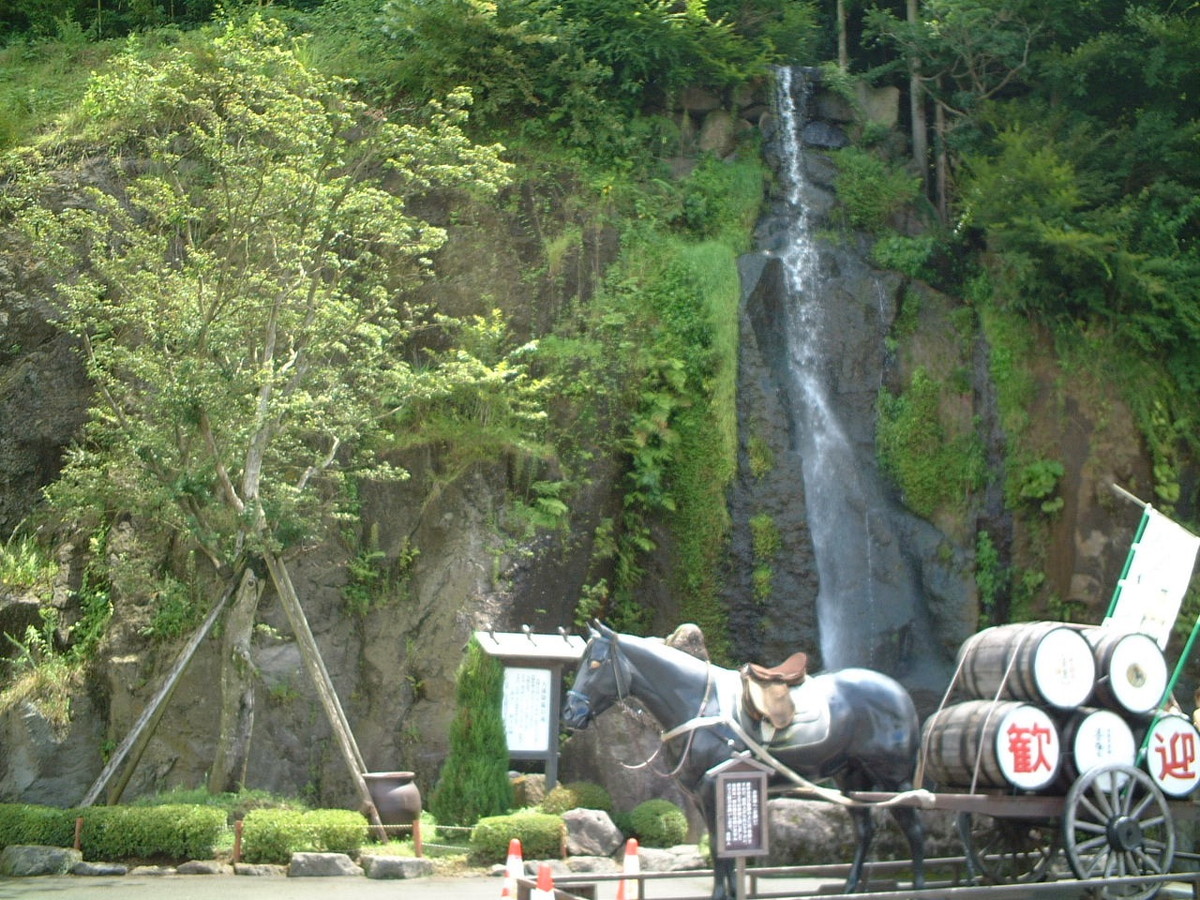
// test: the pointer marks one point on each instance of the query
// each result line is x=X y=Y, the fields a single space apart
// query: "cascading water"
x=829 y=329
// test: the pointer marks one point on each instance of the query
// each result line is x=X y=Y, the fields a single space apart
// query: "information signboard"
x=528 y=703
x=741 y=808
x=532 y=684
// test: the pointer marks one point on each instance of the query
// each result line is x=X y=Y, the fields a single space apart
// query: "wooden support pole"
x=310 y=654
x=150 y=716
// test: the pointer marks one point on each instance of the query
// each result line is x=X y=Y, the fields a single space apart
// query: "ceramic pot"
x=395 y=795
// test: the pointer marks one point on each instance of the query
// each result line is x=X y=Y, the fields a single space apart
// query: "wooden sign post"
x=741 y=821
x=533 y=665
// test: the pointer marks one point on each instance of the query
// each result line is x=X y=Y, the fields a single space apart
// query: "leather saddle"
x=767 y=692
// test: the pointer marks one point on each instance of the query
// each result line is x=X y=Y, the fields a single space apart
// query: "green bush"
x=870 y=190
x=149 y=832
x=474 y=780
x=24 y=823
x=576 y=795
x=541 y=836
x=273 y=835
x=658 y=823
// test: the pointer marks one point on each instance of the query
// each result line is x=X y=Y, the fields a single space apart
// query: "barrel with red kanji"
x=1172 y=745
x=1038 y=662
x=984 y=743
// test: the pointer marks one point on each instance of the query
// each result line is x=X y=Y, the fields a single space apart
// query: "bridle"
x=622 y=676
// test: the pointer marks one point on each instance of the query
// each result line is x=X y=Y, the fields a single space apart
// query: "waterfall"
x=869 y=605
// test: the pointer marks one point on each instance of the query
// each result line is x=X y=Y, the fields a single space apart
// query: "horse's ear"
x=605 y=631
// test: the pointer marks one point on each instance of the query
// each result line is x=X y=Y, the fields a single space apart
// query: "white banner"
x=1160 y=569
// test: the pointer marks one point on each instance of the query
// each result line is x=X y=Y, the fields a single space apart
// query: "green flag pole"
x=1120 y=491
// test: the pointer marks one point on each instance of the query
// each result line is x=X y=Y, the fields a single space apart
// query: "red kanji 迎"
x=1177 y=755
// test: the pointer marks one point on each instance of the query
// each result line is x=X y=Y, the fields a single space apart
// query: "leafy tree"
x=237 y=288
x=583 y=68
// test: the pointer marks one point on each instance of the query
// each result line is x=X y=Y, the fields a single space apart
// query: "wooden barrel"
x=1131 y=671
x=1091 y=738
x=980 y=743
x=1042 y=662
x=1173 y=755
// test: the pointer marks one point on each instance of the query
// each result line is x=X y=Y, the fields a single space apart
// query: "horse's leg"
x=909 y=820
x=864 y=827
x=864 y=830
x=724 y=869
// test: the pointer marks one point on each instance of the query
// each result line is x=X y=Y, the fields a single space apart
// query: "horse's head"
x=603 y=678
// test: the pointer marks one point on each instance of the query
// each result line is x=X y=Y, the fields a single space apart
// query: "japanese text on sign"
x=526 y=710
x=742 y=823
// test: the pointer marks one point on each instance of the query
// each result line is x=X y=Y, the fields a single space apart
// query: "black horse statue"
x=856 y=726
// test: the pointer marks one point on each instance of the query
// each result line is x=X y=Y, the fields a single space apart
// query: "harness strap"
x=924 y=798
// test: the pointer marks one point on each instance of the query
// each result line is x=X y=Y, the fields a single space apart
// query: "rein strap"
x=924 y=798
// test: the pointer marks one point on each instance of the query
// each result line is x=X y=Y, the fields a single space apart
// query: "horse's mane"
x=656 y=645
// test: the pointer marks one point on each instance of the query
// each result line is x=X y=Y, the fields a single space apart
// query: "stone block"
x=21 y=860
x=382 y=867
x=317 y=865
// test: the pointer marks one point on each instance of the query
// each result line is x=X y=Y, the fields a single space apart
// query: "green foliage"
x=658 y=823
x=990 y=578
x=25 y=565
x=42 y=674
x=1036 y=482
x=931 y=468
x=869 y=190
x=143 y=832
x=240 y=297
x=25 y=823
x=909 y=255
x=273 y=835
x=762 y=457
x=541 y=836
x=576 y=795
x=474 y=779
x=374 y=580
x=675 y=303
x=766 y=542
x=788 y=30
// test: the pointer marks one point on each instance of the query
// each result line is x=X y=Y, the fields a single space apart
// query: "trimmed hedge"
x=177 y=832
x=273 y=835
x=24 y=823
x=658 y=823
x=541 y=835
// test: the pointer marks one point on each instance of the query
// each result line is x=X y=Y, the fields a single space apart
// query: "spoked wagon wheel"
x=1007 y=850
x=1116 y=823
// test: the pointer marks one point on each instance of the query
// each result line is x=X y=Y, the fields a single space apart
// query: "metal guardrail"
x=957 y=885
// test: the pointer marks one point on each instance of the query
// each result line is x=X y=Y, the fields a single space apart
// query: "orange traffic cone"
x=627 y=888
x=513 y=870
x=545 y=884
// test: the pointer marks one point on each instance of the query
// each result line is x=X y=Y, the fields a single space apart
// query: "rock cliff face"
x=394 y=666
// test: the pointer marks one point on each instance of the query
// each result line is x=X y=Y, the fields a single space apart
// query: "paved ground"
x=239 y=887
